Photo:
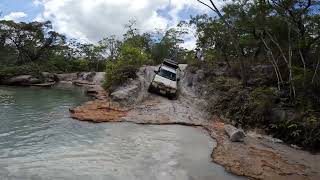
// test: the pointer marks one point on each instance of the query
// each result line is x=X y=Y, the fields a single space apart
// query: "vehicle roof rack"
x=171 y=63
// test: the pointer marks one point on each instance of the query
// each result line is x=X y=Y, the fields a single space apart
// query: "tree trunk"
x=315 y=72
x=274 y=64
x=233 y=37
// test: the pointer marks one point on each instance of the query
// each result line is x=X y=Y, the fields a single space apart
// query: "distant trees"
x=168 y=45
x=36 y=44
x=109 y=47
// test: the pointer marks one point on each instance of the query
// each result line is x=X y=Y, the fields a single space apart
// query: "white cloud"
x=189 y=43
x=15 y=16
x=36 y=2
x=90 y=20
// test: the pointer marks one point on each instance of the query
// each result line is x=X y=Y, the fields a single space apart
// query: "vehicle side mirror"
x=155 y=71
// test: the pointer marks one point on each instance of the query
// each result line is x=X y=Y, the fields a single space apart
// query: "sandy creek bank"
x=258 y=157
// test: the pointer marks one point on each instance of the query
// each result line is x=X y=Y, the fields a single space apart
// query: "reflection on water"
x=39 y=141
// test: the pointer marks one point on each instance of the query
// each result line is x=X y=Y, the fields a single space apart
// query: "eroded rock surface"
x=98 y=111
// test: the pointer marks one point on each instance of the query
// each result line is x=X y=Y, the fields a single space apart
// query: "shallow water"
x=38 y=140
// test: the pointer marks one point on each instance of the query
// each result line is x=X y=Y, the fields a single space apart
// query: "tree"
x=109 y=47
x=167 y=45
x=233 y=37
x=283 y=32
x=33 y=41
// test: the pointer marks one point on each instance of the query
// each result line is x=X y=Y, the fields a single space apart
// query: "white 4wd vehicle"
x=166 y=79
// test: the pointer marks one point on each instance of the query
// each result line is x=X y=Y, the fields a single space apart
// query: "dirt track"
x=256 y=157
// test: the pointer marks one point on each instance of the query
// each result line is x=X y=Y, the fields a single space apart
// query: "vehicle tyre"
x=150 y=89
x=172 y=96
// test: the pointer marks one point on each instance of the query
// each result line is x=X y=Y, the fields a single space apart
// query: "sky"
x=91 y=20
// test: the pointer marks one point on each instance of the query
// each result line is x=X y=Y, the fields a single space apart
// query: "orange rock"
x=98 y=111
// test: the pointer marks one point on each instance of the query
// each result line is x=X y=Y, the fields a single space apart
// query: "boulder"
x=86 y=76
x=127 y=94
x=49 y=77
x=67 y=77
x=235 y=134
x=22 y=80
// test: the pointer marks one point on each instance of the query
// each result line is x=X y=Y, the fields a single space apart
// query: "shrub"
x=118 y=73
x=124 y=68
x=10 y=71
x=302 y=130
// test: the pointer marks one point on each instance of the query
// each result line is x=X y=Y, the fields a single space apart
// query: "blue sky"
x=26 y=6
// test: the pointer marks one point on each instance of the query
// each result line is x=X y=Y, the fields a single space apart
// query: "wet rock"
x=22 y=80
x=97 y=92
x=235 y=135
x=82 y=83
x=49 y=84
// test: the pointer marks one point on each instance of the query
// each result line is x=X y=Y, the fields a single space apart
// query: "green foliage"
x=10 y=71
x=263 y=92
x=303 y=130
x=118 y=73
x=124 y=68
x=262 y=42
x=168 y=47
x=253 y=108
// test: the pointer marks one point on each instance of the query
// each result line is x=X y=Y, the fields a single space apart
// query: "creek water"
x=38 y=140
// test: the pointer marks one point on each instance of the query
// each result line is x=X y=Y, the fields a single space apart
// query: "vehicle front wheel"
x=172 y=96
x=151 y=89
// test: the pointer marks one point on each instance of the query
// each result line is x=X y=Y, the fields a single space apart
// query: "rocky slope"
x=257 y=157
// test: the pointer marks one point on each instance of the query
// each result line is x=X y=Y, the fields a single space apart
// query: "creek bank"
x=257 y=157
x=46 y=79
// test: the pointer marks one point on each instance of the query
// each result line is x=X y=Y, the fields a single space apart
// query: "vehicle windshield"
x=167 y=74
